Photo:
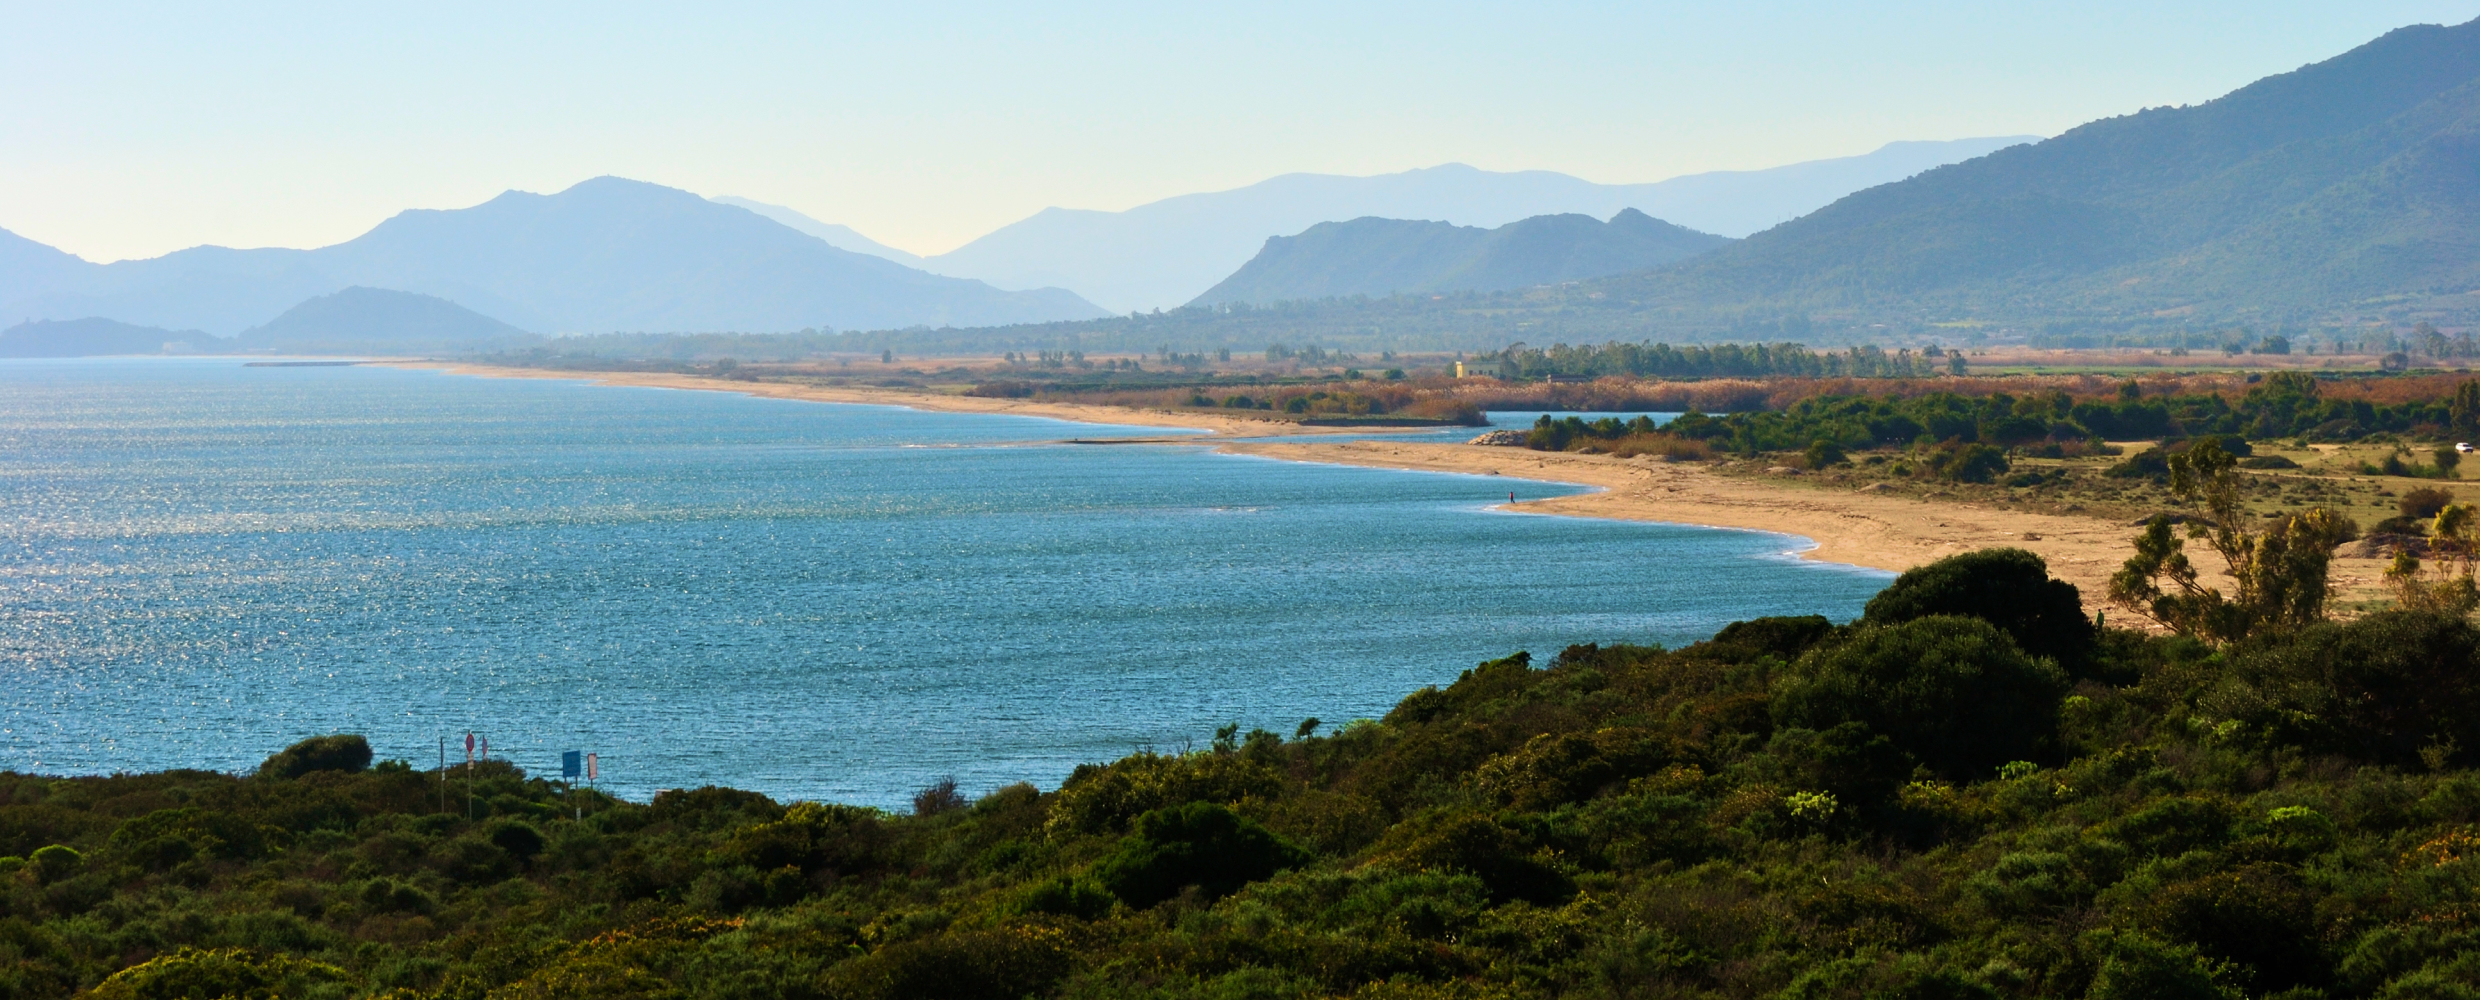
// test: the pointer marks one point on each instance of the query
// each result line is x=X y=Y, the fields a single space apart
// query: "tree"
x=2454 y=541
x=2281 y=574
x=1952 y=691
x=2009 y=588
x=1955 y=364
x=2431 y=342
x=2463 y=410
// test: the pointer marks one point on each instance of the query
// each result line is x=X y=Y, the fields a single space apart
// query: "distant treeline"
x=1702 y=361
x=2284 y=405
x=1442 y=323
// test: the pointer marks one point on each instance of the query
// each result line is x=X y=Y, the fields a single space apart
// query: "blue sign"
x=572 y=763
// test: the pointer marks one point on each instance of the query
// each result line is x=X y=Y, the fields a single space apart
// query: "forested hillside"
x=1972 y=791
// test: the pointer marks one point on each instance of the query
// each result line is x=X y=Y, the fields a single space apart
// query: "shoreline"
x=1891 y=533
x=1216 y=425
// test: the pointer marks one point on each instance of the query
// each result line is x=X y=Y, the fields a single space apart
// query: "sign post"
x=571 y=766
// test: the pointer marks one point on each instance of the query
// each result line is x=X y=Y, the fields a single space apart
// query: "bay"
x=201 y=562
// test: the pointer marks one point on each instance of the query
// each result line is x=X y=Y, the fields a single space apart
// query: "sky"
x=130 y=130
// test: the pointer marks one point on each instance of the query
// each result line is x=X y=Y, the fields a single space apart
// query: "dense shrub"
x=2382 y=688
x=1200 y=844
x=1783 y=637
x=1103 y=798
x=1954 y=692
x=347 y=753
x=999 y=964
x=2422 y=503
x=2009 y=588
x=1502 y=859
x=211 y=974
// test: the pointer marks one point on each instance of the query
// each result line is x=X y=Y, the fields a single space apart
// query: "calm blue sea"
x=201 y=562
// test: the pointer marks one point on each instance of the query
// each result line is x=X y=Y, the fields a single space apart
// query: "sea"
x=202 y=562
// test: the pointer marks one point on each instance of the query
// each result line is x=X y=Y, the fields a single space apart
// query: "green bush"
x=346 y=753
x=999 y=964
x=1973 y=463
x=1484 y=849
x=2009 y=588
x=1784 y=637
x=56 y=862
x=2137 y=967
x=1953 y=692
x=1098 y=799
x=2383 y=688
x=216 y=974
x=522 y=842
x=2256 y=918
x=1199 y=844
x=1066 y=896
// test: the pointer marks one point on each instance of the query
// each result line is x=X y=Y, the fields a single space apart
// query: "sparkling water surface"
x=201 y=562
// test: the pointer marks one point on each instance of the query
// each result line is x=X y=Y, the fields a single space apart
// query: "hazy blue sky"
x=134 y=129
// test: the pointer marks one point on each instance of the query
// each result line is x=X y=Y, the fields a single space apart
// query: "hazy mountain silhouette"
x=2347 y=181
x=93 y=336
x=378 y=320
x=607 y=254
x=1384 y=256
x=2343 y=193
x=1167 y=252
x=28 y=267
x=841 y=237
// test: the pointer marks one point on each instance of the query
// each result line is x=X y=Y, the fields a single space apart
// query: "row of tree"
x=1756 y=360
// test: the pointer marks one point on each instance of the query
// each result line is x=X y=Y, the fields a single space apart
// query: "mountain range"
x=837 y=235
x=2341 y=194
x=1164 y=253
x=1380 y=257
x=607 y=254
x=2338 y=190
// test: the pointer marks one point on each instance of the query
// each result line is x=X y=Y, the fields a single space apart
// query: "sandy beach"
x=1879 y=530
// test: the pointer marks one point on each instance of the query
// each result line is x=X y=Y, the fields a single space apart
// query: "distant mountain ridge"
x=606 y=254
x=2328 y=190
x=2342 y=195
x=1167 y=252
x=1377 y=257
x=837 y=235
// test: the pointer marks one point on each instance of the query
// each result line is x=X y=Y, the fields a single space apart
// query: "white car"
x=2463 y=446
